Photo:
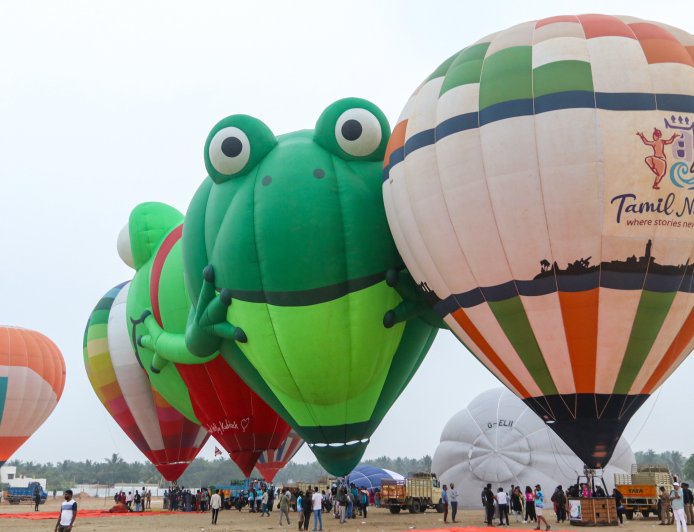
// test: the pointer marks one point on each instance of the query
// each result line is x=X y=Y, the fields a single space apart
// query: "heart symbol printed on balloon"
x=244 y=423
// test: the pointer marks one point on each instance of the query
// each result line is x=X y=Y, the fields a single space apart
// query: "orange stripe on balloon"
x=495 y=360
x=580 y=315
x=397 y=140
x=680 y=343
x=9 y=444
x=33 y=350
x=661 y=51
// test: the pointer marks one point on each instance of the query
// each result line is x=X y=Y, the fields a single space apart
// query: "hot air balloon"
x=539 y=189
x=32 y=378
x=164 y=436
x=290 y=234
x=271 y=461
x=206 y=390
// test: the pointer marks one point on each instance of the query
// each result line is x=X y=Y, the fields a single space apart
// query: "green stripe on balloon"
x=466 y=68
x=650 y=315
x=507 y=76
x=3 y=395
x=562 y=76
x=514 y=322
x=442 y=68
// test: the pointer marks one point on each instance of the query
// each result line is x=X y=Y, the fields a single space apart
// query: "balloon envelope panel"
x=207 y=392
x=271 y=461
x=164 y=436
x=538 y=189
x=32 y=378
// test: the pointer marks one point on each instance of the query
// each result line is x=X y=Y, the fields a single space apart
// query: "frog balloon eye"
x=229 y=151
x=358 y=132
x=354 y=129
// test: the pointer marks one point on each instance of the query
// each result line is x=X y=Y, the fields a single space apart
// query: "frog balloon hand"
x=208 y=326
x=166 y=346
x=413 y=304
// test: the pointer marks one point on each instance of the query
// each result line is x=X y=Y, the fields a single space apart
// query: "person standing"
x=284 y=507
x=664 y=496
x=307 y=505
x=529 y=505
x=317 y=500
x=502 y=502
x=37 y=497
x=264 y=501
x=364 y=502
x=488 y=500
x=539 y=506
x=619 y=504
x=68 y=513
x=559 y=499
x=677 y=502
x=215 y=505
x=516 y=504
x=342 y=502
x=444 y=501
x=148 y=500
x=453 y=501
x=688 y=500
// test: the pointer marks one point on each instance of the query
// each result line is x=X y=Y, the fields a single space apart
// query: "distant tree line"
x=675 y=460
x=201 y=472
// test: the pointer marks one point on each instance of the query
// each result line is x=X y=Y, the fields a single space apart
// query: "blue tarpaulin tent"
x=368 y=477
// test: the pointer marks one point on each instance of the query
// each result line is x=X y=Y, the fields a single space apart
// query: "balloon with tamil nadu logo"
x=539 y=188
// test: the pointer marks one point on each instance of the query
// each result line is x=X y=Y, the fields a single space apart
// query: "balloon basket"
x=596 y=511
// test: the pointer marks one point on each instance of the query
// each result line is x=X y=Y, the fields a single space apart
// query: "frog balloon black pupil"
x=351 y=130
x=231 y=146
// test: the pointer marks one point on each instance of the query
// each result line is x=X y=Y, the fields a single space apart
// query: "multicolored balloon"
x=538 y=186
x=292 y=230
x=164 y=436
x=32 y=378
x=206 y=390
x=271 y=461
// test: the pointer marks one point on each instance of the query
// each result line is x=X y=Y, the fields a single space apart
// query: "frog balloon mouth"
x=311 y=296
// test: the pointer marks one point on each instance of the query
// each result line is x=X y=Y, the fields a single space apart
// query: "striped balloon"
x=539 y=188
x=164 y=436
x=32 y=378
x=271 y=461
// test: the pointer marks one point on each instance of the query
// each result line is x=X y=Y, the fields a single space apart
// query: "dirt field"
x=231 y=520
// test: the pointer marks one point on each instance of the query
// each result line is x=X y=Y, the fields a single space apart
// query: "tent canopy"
x=369 y=477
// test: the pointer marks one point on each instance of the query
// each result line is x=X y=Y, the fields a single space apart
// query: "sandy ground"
x=231 y=520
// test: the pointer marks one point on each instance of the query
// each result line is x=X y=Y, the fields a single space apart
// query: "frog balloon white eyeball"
x=124 y=249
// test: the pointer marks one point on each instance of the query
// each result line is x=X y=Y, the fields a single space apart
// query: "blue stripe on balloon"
x=626 y=101
x=564 y=100
x=3 y=395
x=503 y=110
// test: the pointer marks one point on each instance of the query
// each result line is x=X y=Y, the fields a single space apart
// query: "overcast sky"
x=104 y=105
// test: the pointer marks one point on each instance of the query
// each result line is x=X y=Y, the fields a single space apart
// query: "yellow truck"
x=416 y=493
x=640 y=488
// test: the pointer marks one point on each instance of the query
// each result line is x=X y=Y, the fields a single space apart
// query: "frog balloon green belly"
x=292 y=237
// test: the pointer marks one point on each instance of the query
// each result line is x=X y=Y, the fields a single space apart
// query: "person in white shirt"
x=502 y=503
x=68 y=513
x=453 y=500
x=215 y=505
x=317 y=510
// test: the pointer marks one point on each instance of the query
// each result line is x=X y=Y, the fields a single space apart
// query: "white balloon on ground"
x=497 y=439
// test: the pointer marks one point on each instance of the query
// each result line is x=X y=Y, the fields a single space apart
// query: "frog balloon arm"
x=207 y=322
x=167 y=346
x=412 y=305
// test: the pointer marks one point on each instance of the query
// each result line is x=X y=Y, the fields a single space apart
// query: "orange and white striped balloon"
x=32 y=378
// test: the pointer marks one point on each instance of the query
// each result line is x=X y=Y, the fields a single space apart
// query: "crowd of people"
x=137 y=502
